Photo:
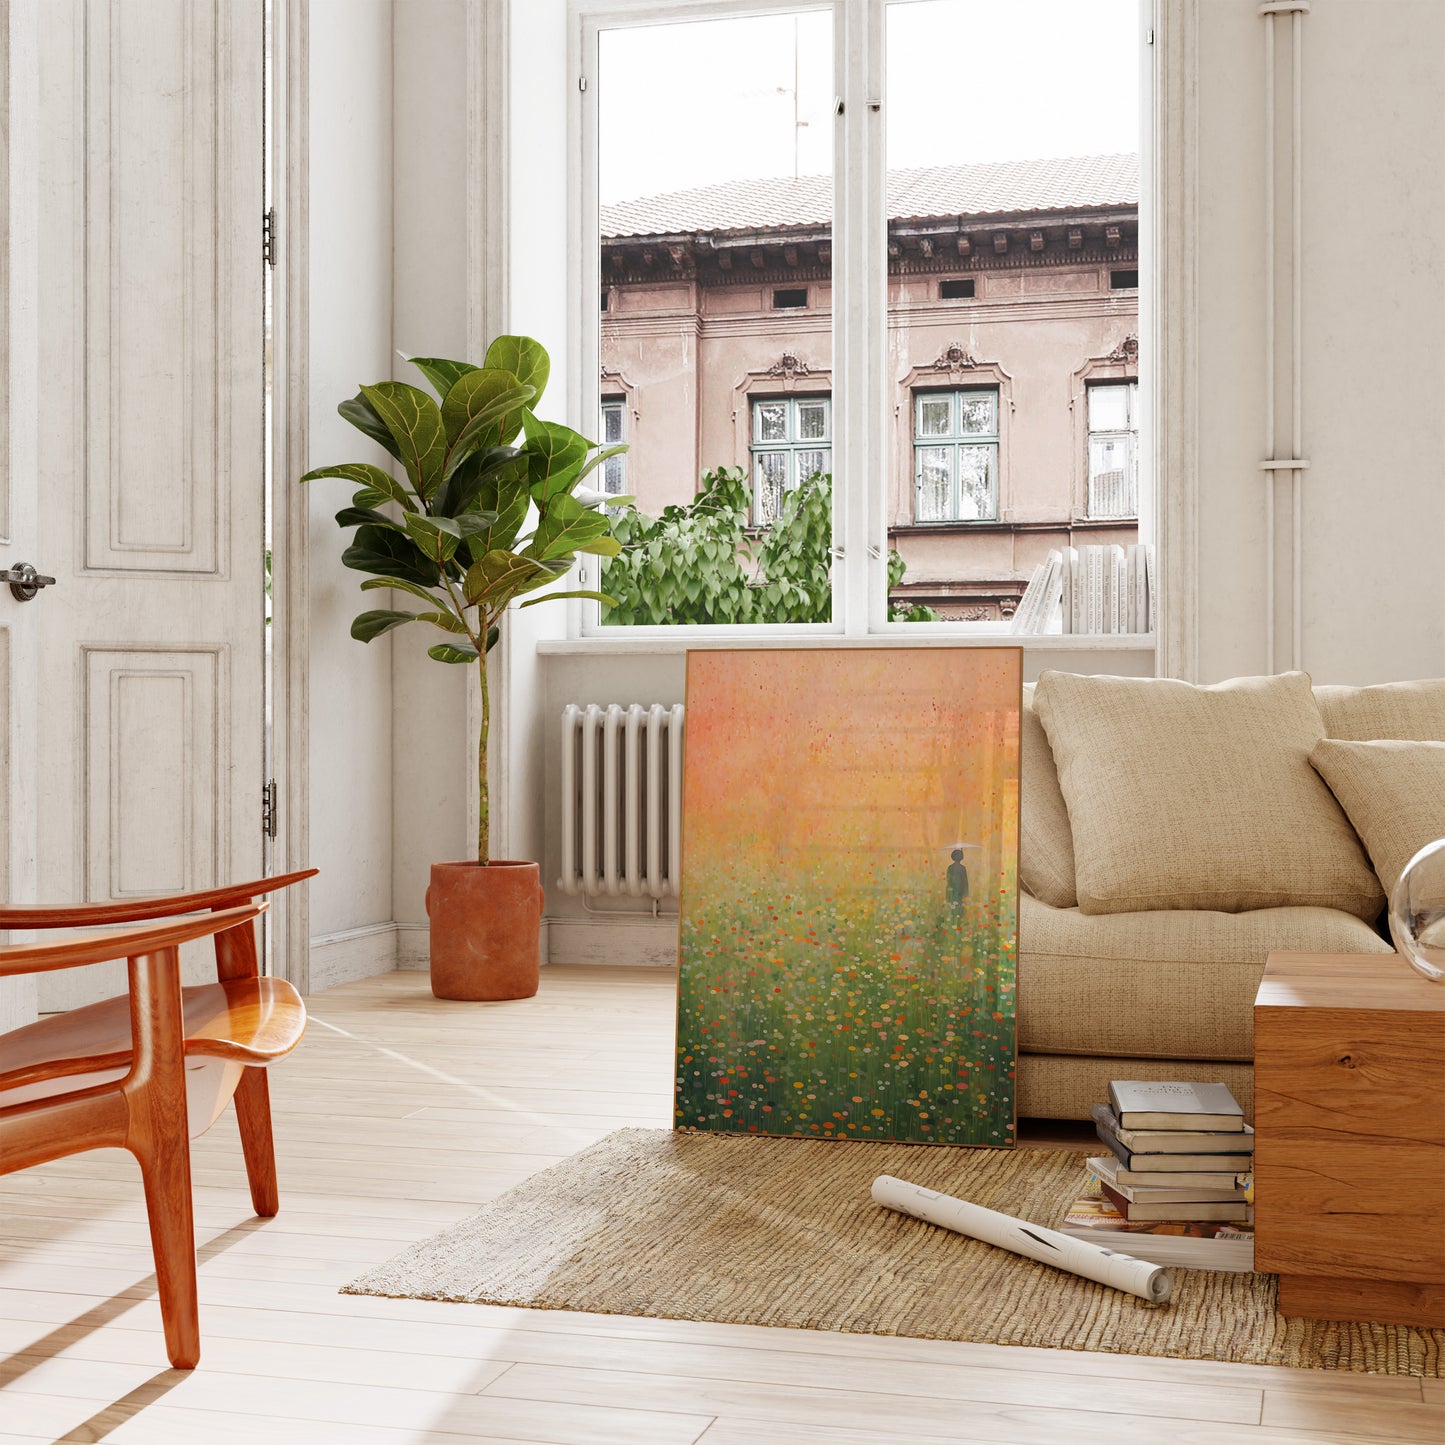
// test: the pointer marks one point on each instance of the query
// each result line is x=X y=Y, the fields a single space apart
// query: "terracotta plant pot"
x=486 y=929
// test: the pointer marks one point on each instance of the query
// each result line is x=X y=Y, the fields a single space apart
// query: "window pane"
x=1108 y=408
x=708 y=131
x=810 y=464
x=977 y=467
x=935 y=416
x=1033 y=197
x=978 y=414
x=1112 y=487
x=935 y=484
x=770 y=421
x=614 y=476
x=770 y=482
x=812 y=420
x=611 y=424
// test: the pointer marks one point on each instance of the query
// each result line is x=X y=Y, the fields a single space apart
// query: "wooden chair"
x=151 y=1070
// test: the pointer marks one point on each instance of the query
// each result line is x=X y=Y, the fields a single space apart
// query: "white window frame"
x=953 y=441
x=792 y=446
x=1128 y=435
x=860 y=417
x=613 y=466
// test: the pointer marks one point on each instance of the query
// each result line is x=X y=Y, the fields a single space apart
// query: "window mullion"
x=860 y=333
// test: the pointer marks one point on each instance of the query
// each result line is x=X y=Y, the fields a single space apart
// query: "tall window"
x=1113 y=449
x=955 y=455
x=771 y=325
x=614 y=430
x=791 y=442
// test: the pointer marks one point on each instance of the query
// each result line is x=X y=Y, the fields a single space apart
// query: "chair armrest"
x=138 y=910
x=100 y=948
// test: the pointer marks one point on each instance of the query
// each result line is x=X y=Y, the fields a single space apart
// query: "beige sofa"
x=1106 y=991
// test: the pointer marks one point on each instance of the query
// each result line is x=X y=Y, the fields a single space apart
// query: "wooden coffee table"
x=1349 y=1172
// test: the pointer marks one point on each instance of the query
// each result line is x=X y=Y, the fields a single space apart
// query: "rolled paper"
x=1047 y=1246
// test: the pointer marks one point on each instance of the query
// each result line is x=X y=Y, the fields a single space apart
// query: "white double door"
x=132 y=393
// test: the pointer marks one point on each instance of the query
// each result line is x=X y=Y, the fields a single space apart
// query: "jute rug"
x=783 y=1232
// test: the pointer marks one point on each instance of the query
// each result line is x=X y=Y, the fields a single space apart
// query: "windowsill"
x=665 y=643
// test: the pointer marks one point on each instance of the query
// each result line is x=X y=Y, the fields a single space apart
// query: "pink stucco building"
x=1013 y=353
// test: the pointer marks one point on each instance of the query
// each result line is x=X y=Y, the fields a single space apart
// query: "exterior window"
x=955 y=455
x=1113 y=450
x=792 y=441
x=614 y=469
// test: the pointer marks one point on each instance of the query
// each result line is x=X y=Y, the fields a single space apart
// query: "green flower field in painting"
x=835 y=983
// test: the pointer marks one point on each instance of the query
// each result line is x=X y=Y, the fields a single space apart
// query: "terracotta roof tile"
x=1063 y=183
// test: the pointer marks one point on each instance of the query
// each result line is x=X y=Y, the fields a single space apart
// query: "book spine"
x=1068 y=561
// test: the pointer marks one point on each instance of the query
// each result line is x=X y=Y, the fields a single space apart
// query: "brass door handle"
x=24 y=581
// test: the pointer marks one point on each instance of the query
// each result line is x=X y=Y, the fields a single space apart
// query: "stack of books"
x=1177 y=1174
x=1089 y=590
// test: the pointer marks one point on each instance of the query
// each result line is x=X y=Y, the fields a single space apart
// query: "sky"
x=692 y=104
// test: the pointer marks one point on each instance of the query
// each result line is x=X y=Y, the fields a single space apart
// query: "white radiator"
x=622 y=800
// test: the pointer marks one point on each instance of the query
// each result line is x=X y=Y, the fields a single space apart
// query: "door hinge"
x=268 y=237
x=1149 y=37
x=582 y=83
x=270 y=810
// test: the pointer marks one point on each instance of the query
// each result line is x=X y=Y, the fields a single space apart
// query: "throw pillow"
x=1394 y=793
x=1200 y=797
x=1046 y=846
x=1391 y=710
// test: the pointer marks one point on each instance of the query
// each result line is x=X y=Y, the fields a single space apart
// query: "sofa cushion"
x=1394 y=793
x=1413 y=710
x=1046 y=846
x=1200 y=797
x=1173 y=984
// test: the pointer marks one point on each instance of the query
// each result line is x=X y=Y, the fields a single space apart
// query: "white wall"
x=429 y=313
x=1373 y=323
x=351 y=339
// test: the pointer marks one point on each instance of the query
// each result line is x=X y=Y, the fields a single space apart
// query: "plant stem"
x=484 y=838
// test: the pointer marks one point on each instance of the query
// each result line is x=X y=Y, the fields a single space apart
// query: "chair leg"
x=167 y=1178
x=158 y=1136
x=253 y=1113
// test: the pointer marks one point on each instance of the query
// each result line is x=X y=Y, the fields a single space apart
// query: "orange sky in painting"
x=838 y=762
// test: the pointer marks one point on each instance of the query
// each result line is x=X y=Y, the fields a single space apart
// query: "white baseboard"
x=338 y=958
x=413 y=945
x=649 y=942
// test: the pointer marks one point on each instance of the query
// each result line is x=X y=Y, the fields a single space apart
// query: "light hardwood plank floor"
x=398 y=1115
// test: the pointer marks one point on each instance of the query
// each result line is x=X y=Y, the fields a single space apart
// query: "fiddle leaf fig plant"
x=491 y=510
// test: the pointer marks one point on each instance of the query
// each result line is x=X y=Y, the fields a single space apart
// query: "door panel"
x=151 y=511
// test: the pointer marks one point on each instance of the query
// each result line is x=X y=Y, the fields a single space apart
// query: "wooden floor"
x=400 y=1113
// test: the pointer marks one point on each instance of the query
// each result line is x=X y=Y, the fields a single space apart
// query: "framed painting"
x=848 y=934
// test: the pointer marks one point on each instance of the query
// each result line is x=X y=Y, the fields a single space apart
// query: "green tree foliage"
x=704 y=563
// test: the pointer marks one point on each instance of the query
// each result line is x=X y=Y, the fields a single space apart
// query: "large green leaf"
x=453 y=652
x=483 y=481
x=400 y=584
x=500 y=576
x=415 y=423
x=555 y=455
x=372 y=624
x=370 y=477
x=577 y=592
x=487 y=427
x=566 y=526
x=434 y=536
x=526 y=359
x=442 y=374
x=391 y=554
x=358 y=411
x=478 y=391
x=448 y=621
x=605 y=545
x=365 y=516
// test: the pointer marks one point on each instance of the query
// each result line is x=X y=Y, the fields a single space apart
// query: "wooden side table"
x=1349 y=1162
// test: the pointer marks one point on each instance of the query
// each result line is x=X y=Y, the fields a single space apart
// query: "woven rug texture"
x=782 y=1232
